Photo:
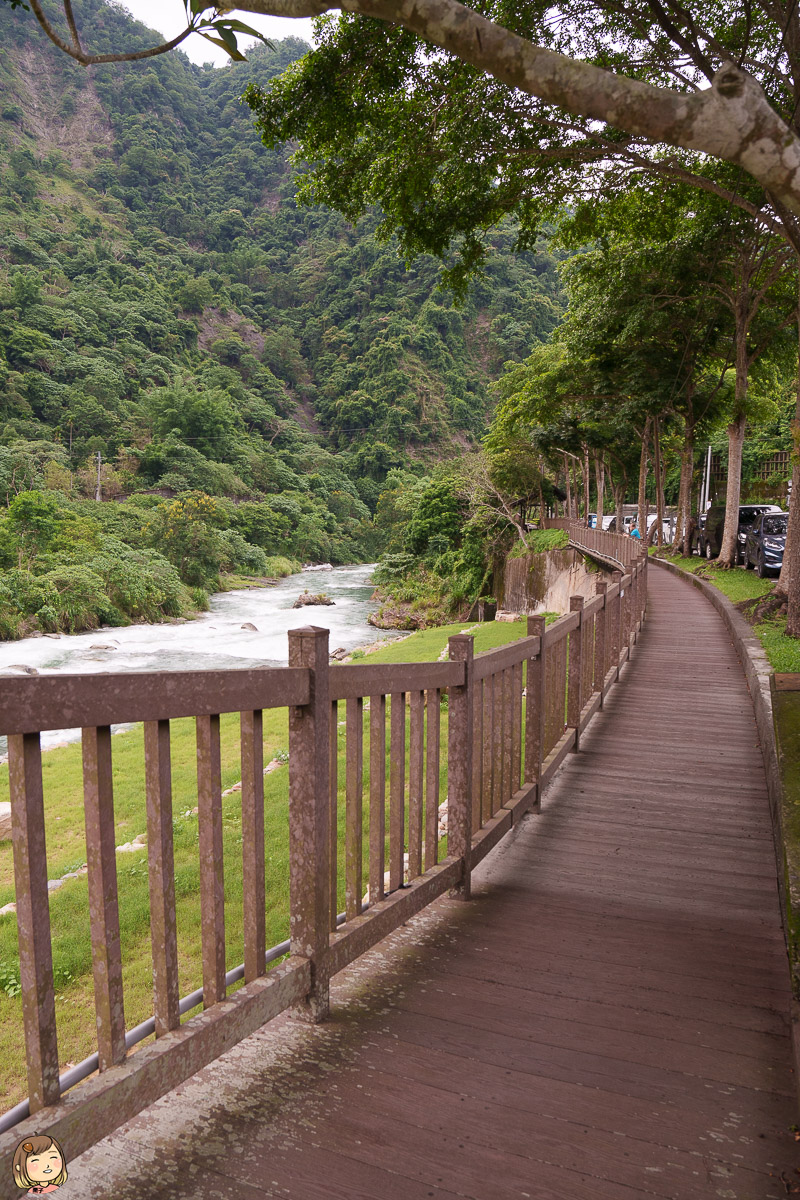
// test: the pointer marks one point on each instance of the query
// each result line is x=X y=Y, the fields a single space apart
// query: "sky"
x=169 y=18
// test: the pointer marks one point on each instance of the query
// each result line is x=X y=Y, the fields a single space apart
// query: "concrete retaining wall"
x=538 y=583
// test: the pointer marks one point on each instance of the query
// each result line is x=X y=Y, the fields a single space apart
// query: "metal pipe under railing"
x=88 y=1066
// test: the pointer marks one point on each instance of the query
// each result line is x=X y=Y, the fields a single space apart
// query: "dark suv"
x=709 y=539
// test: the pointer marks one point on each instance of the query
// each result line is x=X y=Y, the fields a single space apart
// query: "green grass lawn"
x=66 y=851
x=740 y=584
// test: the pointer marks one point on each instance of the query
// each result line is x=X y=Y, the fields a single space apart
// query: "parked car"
x=607 y=521
x=709 y=538
x=765 y=541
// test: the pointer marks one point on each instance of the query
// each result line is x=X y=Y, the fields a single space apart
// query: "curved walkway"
x=606 y=1020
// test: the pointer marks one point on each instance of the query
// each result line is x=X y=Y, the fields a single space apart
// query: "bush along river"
x=243 y=628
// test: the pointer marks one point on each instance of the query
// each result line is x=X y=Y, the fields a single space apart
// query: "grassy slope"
x=66 y=851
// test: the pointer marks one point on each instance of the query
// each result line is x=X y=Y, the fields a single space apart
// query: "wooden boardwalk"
x=606 y=1020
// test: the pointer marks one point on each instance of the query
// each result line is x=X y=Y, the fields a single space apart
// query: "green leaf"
x=234 y=53
x=240 y=27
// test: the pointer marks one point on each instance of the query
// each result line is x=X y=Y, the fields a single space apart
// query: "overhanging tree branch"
x=731 y=120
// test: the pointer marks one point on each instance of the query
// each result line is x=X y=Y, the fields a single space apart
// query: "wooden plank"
x=535 y=705
x=309 y=818
x=432 y=780
x=33 y=918
x=477 y=756
x=487 y=838
x=560 y=629
x=601 y=641
x=377 y=797
x=94 y=1110
x=392 y=912
x=491 y=662
x=98 y=812
x=575 y=667
x=488 y=749
x=508 y=733
x=354 y=808
x=461 y=648
x=587 y=712
x=70 y=701
x=253 y=849
x=397 y=789
x=498 y=732
x=212 y=883
x=161 y=875
x=516 y=727
x=333 y=828
x=351 y=680
x=416 y=774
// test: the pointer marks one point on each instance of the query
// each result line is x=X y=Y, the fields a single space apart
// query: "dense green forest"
x=248 y=370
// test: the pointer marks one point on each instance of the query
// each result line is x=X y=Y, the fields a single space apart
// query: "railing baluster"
x=497 y=745
x=354 y=807
x=377 y=797
x=416 y=772
x=333 y=848
x=253 y=867
x=33 y=918
x=516 y=729
x=489 y=716
x=600 y=642
x=212 y=884
x=616 y=624
x=508 y=732
x=397 y=789
x=432 y=780
x=535 y=711
x=161 y=875
x=98 y=808
x=477 y=757
x=575 y=685
x=459 y=761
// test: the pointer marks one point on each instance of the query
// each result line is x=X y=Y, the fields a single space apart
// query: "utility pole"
x=99 y=493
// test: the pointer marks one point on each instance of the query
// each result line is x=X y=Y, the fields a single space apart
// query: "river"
x=213 y=640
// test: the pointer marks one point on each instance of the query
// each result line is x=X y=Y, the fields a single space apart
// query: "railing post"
x=459 y=760
x=600 y=649
x=575 y=677
x=616 y=624
x=535 y=710
x=309 y=815
x=33 y=918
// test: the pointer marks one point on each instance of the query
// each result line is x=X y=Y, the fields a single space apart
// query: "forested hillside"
x=166 y=303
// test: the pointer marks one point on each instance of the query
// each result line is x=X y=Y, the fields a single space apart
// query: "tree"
x=734 y=119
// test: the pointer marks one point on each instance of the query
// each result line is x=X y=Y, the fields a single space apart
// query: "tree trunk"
x=642 y=498
x=587 y=480
x=568 y=488
x=788 y=584
x=619 y=501
x=659 y=483
x=600 y=479
x=729 y=553
x=576 y=494
x=684 y=524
